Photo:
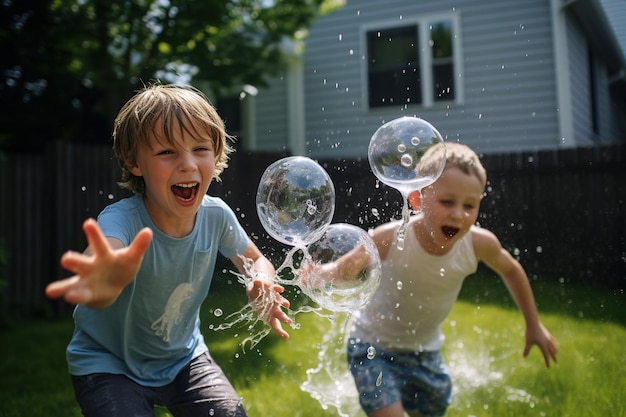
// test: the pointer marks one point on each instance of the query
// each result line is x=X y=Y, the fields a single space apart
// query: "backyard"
x=484 y=343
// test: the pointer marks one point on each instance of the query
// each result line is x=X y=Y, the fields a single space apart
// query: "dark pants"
x=200 y=389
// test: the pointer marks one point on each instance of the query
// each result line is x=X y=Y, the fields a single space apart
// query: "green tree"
x=69 y=64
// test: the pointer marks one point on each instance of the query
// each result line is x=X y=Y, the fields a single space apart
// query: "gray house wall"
x=509 y=77
x=270 y=122
x=582 y=78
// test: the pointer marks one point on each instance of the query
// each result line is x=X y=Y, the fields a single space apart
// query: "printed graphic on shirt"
x=172 y=316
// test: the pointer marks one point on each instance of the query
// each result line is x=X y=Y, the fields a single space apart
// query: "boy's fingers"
x=79 y=295
x=140 y=244
x=59 y=288
x=278 y=328
x=73 y=261
x=96 y=240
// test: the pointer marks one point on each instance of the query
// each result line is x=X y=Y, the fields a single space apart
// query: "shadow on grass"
x=552 y=296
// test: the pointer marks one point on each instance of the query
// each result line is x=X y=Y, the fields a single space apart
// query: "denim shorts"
x=419 y=380
x=199 y=390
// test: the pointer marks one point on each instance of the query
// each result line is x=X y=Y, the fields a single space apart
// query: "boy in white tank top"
x=395 y=340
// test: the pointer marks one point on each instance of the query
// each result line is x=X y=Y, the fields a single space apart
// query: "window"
x=393 y=70
x=412 y=63
x=442 y=61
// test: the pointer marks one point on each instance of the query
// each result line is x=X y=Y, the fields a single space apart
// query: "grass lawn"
x=484 y=343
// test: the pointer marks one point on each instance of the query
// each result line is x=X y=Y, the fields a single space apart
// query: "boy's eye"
x=165 y=152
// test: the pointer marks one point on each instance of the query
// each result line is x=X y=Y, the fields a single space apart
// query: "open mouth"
x=185 y=192
x=450 y=232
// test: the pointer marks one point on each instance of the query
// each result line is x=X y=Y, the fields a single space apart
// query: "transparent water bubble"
x=295 y=200
x=395 y=155
x=359 y=255
x=404 y=139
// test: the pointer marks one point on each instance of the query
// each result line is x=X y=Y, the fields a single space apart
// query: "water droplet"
x=406 y=160
x=442 y=272
x=371 y=352
x=399 y=285
x=401 y=147
x=379 y=380
x=415 y=141
x=218 y=312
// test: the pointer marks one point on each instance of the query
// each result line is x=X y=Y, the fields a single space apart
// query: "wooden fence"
x=562 y=212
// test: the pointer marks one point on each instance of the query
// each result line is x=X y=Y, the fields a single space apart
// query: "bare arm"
x=102 y=271
x=490 y=251
x=349 y=266
x=263 y=293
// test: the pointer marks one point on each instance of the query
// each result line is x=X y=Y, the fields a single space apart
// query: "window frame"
x=427 y=86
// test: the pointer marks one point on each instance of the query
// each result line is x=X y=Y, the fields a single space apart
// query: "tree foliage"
x=70 y=64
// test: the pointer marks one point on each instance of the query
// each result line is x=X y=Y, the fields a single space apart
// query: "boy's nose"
x=186 y=161
x=456 y=212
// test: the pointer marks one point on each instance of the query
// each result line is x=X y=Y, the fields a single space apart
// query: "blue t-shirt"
x=153 y=329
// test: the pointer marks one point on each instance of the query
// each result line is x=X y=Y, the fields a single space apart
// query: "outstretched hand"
x=102 y=271
x=541 y=337
x=265 y=296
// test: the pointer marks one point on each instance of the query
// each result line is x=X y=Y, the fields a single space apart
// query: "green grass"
x=484 y=342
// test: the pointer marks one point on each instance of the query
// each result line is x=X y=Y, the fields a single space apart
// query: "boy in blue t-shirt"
x=148 y=267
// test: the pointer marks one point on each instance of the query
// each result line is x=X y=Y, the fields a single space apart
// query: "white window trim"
x=422 y=22
x=565 y=110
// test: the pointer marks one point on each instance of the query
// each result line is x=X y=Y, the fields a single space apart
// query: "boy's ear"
x=135 y=170
x=414 y=200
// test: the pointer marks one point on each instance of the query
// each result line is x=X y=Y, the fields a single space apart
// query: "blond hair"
x=162 y=110
x=457 y=155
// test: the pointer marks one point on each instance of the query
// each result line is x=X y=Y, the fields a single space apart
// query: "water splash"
x=330 y=294
x=330 y=382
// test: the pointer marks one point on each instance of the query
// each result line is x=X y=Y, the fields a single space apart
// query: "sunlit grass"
x=484 y=343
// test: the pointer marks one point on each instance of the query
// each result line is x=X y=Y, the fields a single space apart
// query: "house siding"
x=508 y=99
x=271 y=117
x=616 y=15
x=580 y=87
x=507 y=78
x=607 y=117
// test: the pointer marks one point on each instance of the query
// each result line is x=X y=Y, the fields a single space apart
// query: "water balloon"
x=395 y=155
x=359 y=254
x=295 y=200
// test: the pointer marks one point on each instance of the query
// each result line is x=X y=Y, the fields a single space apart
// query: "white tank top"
x=416 y=293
